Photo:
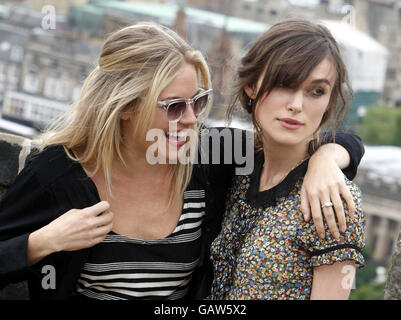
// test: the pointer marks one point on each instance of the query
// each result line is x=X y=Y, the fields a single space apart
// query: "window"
x=61 y=90
x=49 y=88
x=17 y=53
x=13 y=73
x=75 y=93
x=2 y=69
x=391 y=74
x=31 y=83
x=16 y=108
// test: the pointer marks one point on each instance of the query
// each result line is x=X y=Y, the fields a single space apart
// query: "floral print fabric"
x=269 y=252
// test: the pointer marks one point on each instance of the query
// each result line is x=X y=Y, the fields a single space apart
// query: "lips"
x=177 y=138
x=290 y=123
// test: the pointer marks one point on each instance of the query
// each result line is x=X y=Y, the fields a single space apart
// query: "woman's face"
x=171 y=137
x=290 y=116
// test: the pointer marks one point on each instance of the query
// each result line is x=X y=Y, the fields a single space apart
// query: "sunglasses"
x=176 y=108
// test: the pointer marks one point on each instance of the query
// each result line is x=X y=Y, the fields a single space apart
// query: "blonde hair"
x=136 y=63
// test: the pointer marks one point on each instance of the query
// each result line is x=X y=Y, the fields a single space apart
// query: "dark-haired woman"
x=291 y=81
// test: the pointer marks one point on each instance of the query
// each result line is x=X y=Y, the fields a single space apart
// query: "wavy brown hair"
x=285 y=55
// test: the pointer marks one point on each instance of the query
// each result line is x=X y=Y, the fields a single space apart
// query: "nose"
x=188 y=118
x=296 y=102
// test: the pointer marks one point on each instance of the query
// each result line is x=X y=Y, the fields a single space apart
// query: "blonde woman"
x=90 y=216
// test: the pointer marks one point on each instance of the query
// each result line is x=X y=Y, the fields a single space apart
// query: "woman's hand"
x=324 y=182
x=76 y=229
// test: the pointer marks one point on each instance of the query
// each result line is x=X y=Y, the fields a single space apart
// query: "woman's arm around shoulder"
x=334 y=260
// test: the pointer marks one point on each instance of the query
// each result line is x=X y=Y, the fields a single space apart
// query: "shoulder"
x=49 y=164
x=354 y=189
x=329 y=249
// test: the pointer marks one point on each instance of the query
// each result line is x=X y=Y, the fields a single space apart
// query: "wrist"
x=324 y=153
x=40 y=245
x=332 y=152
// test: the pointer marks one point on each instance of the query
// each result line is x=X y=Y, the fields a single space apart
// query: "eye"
x=318 y=91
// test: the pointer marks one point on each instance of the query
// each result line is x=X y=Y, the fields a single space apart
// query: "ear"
x=250 y=91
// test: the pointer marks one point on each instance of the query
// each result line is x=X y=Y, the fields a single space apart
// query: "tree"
x=381 y=126
x=397 y=135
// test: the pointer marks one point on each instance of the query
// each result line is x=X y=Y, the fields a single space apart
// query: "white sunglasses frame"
x=165 y=104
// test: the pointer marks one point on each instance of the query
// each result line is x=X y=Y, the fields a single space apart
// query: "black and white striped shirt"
x=121 y=268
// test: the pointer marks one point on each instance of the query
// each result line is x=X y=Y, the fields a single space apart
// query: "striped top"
x=124 y=268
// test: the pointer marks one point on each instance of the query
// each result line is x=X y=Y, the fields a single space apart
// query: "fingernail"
x=336 y=235
x=343 y=228
x=321 y=235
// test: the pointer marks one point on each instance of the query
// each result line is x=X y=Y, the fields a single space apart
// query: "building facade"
x=42 y=71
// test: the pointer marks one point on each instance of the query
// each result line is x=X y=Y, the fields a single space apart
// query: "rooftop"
x=383 y=161
x=166 y=12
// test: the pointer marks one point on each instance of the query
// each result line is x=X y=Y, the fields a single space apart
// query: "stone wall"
x=393 y=285
x=13 y=153
x=382 y=207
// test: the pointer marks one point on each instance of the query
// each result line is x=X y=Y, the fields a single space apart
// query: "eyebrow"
x=322 y=80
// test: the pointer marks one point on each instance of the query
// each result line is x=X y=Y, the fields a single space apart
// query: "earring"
x=250 y=102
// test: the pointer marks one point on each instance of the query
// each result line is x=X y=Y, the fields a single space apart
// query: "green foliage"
x=381 y=126
x=366 y=289
x=397 y=135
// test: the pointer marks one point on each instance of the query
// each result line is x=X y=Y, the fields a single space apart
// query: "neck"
x=279 y=161
x=137 y=167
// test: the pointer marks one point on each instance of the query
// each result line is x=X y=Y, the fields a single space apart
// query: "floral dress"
x=266 y=250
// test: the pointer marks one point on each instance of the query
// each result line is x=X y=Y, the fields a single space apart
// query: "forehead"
x=295 y=75
x=324 y=70
x=184 y=85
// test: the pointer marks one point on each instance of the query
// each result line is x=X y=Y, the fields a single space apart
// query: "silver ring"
x=327 y=204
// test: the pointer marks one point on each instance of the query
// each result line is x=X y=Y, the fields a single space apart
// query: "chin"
x=291 y=140
x=176 y=155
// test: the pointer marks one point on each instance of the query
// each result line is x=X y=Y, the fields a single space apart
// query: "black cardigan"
x=51 y=184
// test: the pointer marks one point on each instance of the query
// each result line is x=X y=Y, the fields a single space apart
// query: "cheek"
x=160 y=119
x=266 y=107
x=316 y=114
x=139 y=138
